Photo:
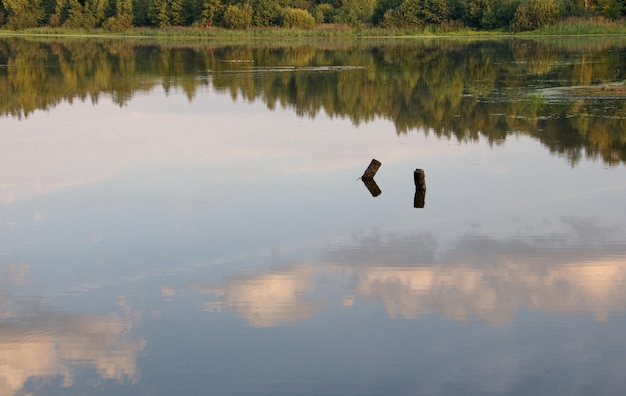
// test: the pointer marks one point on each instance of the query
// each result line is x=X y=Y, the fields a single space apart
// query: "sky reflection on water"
x=212 y=246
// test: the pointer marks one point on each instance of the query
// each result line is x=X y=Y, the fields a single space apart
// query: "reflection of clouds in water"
x=15 y=273
x=268 y=299
x=588 y=231
x=478 y=277
x=37 y=344
x=168 y=292
x=494 y=294
x=488 y=278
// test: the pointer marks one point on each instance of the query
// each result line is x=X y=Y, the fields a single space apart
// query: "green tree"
x=3 y=14
x=23 y=14
x=79 y=16
x=159 y=13
x=324 y=13
x=123 y=18
x=571 y=8
x=361 y=10
x=265 y=13
x=295 y=18
x=457 y=9
x=49 y=6
x=490 y=14
x=83 y=14
x=192 y=12
x=481 y=14
x=382 y=6
x=611 y=9
x=141 y=13
x=212 y=13
x=414 y=13
x=61 y=13
x=434 y=11
x=175 y=11
x=163 y=13
x=534 y=14
x=238 y=16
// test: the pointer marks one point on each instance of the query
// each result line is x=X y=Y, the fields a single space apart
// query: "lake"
x=188 y=218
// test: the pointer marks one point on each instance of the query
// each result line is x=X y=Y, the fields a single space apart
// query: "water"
x=188 y=219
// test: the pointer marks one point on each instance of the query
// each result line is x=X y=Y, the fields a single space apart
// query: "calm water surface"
x=189 y=220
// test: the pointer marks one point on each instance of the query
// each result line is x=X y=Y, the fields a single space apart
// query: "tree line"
x=117 y=15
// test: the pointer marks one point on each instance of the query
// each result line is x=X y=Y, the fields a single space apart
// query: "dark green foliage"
x=611 y=9
x=266 y=13
x=381 y=7
x=415 y=13
x=356 y=11
x=533 y=14
x=122 y=18
x=49 y=7
x=158 y=13
x=571 y=8
x=490 y=14
x=323 y=13
x=3 y=14
x=302 y=4
x=22 y=14
x=118 y=23
x=176 y=12
x=434 y=11
x=141 y=12
x=165 y=13
x=481 y=14
x=346 y=16
x=81 y=14
x=457 y=9
x=192 y=12
x=212 y=13
x=407 y=15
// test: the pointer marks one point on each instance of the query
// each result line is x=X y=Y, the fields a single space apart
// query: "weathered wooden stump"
x=371 y=170
x=420 y=179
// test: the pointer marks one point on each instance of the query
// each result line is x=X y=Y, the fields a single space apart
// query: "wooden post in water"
x=419 y=177
x=371 y=170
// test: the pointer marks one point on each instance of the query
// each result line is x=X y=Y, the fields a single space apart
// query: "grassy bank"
x=595 y=26
x=585 y=26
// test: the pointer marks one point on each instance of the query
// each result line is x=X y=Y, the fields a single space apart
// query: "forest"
x=120 y=15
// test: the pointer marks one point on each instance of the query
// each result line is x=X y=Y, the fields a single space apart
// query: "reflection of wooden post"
x=371 y=170
x=419 y=177
x=372 y=187
x=419 y=199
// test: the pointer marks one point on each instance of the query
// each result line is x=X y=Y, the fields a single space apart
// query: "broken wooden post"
x=419 y=177
x=371 y=170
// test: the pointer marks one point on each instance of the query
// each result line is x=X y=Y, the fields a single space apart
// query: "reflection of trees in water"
x=452 y=88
